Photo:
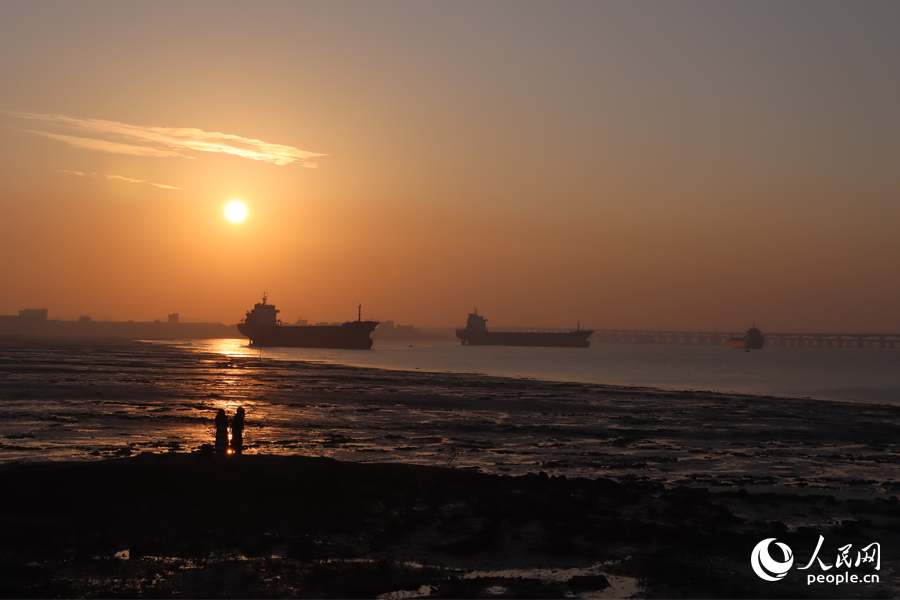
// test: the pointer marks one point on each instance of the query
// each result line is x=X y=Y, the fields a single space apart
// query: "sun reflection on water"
x=230 y=347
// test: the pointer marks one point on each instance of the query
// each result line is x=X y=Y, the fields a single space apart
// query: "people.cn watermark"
x=774 y=569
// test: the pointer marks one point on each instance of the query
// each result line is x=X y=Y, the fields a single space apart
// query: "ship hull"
x=744 y=344
x=350 y=335
x=567 y=339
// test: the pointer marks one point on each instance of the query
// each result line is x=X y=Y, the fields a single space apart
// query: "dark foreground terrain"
x=198 y=525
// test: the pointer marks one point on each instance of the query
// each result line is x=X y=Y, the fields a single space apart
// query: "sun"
x=235 y=211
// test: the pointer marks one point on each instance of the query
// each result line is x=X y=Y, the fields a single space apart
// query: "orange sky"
x=648 y=165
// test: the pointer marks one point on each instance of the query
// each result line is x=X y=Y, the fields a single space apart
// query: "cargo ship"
x=476 y=334
x=752 y=340
x=264 y=328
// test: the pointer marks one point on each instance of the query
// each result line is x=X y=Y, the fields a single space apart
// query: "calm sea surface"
x=862 y=375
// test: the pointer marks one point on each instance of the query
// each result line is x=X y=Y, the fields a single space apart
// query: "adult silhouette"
x=221 y=432
x=237 y=431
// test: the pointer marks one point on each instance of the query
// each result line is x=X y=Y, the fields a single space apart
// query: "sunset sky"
x=627 y=164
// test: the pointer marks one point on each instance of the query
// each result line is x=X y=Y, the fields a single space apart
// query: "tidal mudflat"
x=363 y=483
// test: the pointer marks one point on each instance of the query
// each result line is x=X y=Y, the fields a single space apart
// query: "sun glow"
x=235 y=211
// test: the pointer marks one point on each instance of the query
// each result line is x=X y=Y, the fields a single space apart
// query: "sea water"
x=854 y=374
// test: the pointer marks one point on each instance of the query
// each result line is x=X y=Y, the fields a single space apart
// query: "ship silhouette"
x=752 y=340
x=264 y=328
x=476 y=334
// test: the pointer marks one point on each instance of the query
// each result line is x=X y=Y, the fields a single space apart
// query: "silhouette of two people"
x=237 y=432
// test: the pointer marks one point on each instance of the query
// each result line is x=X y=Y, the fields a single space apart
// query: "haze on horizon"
x=627 y=164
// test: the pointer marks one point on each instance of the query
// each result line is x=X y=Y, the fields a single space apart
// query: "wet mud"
x=201 y=525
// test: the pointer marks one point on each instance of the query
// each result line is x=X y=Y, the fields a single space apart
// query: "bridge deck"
x=817 y=340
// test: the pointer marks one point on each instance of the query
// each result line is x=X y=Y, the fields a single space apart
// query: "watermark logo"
x=770 y=569
x=765 y=566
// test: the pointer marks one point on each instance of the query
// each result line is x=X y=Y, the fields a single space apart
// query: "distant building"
x=301 y=322
x=34 y=322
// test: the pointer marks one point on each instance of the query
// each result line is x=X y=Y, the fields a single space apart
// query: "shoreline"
x=547 y=381
x=686 y=359
x=188 y=345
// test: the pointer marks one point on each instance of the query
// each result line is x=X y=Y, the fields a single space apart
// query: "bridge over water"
x=798 y=340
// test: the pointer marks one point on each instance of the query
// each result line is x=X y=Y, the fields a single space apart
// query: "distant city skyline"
x=691 y=165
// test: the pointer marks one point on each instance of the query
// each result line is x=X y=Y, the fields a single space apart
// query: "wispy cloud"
x=106 y=145
x=146 y=140
x=121 y=178
x=109 y=177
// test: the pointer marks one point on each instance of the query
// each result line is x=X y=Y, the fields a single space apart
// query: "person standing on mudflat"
x=221 y=432
x=237 y=431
